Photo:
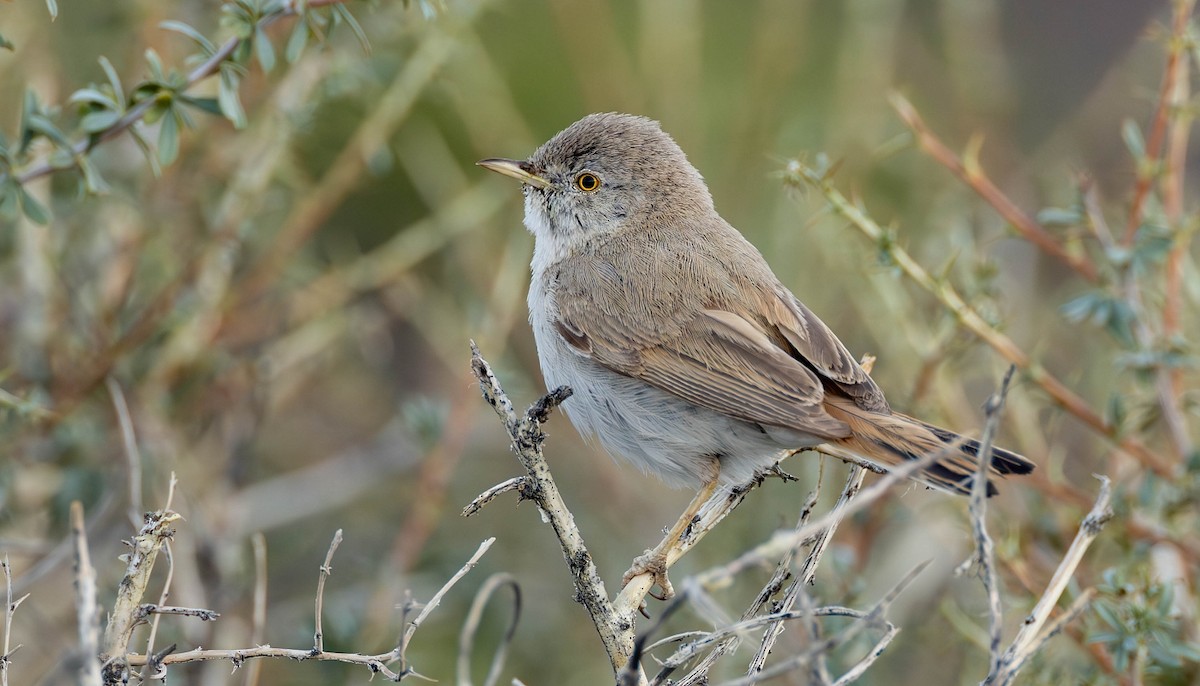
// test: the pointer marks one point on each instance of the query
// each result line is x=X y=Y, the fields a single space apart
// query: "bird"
x=686 y=354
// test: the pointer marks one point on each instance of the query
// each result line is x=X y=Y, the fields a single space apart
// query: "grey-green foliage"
x=106 y=110
x=1137 y=619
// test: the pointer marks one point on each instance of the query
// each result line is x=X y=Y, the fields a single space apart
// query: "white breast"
x=658 y=432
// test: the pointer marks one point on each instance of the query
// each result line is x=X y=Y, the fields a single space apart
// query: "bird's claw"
x=654 y=563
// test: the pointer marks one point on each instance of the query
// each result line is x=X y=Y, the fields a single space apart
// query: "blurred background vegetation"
x=285 y=312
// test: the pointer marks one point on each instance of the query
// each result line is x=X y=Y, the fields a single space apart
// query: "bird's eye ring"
x=587 y=182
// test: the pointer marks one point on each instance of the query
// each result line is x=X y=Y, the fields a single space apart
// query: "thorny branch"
x=969 y=171
x=10 y=608
x=376 y=664
x=616 y=632
x=798 y=172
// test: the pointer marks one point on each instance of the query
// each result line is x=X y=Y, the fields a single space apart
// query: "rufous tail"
x=890 y=440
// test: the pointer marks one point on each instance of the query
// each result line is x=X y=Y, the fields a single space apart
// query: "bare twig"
x=873 y=618
x=836 y=451
x=87 y=611
x=10 y=608
x=976 y=324
x=985 y=548
x=160 y=609
x=377 y=664
x=197 y=612
x=466 y=639
x=797 y=591
x=402 y=648
x=783 y=542
x=325 y=571
x=520 y=484
x=632 y=672
x=1035 y=632
x=783 y=571
x=969 y=171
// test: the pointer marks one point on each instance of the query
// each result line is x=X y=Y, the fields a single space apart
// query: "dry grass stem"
x=133 y=455
x=258 y=618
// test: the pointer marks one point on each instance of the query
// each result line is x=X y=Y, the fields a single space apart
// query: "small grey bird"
x=686 y=354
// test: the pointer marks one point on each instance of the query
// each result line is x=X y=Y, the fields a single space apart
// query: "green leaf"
x=9 y=204
x=156 y=66
x=264 y=50
x=339 y=10
x=227 y=97
x=1151 y=246
x=95 y=122
x=168 y=140
x=93 y=97
x=297 y=42
x=238 y=20
x=29 y=108
x=41 y=124
x=180 y=27
x=61 y=158
x=1057 y=216
x=114 y=79
x=155 y=167
x=32 y=208
x=209 y=105
x=92 y=180
x=5 y=43
x=1133 y=139
x=52 y=7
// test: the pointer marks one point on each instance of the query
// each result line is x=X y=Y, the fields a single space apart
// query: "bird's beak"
x=519 y=170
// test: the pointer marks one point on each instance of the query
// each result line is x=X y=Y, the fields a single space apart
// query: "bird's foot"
x=654 y=563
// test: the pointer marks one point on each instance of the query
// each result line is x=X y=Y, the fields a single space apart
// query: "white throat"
x=548 y=245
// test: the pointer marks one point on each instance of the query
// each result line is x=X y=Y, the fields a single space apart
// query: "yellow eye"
x=587 y=182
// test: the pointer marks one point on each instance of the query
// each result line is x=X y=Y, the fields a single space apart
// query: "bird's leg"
x=655 y=562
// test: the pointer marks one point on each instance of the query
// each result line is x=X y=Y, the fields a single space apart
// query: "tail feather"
x=893 y=439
